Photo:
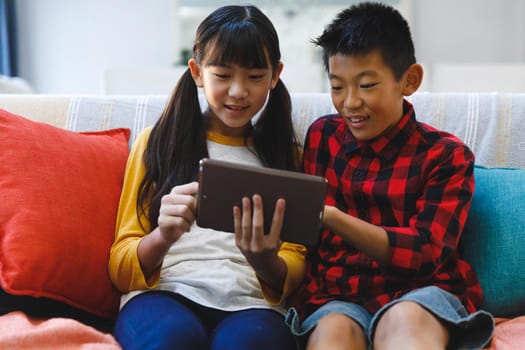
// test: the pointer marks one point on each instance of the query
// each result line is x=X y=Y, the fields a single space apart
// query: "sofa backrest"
x=492 y=124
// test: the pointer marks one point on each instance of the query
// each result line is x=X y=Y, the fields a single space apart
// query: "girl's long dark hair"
x=240 y=35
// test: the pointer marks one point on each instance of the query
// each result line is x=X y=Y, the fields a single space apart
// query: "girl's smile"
x=236 y=108
x=234 y=93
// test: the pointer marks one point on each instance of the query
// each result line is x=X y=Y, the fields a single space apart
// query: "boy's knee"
x=411 y=313
x=337 y=323
x=337 y=328
x=407 y=320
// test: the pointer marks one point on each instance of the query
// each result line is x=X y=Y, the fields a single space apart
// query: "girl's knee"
x=162 y=333
x=168 y=324
x=253 y=329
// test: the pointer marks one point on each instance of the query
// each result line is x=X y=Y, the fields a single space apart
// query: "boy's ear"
x=412 y=79
x=196 y=72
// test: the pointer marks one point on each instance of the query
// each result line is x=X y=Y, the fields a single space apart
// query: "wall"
x=471 y=45
x=303 y=70
x=67 y=46
x=469 y=30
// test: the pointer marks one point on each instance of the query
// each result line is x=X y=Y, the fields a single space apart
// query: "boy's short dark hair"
x=368 y=26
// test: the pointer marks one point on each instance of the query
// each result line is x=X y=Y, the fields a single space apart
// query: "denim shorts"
x=467 y=331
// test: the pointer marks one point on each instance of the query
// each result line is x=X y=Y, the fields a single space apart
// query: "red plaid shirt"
x=414 y=181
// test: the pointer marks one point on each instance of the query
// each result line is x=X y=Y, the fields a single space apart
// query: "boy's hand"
x=260 y=249
x=368 y=238
x=329 y=214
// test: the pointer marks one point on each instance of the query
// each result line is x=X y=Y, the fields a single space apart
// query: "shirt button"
x=359 y=175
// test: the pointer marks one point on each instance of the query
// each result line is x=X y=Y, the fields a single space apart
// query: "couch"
x=62 y=159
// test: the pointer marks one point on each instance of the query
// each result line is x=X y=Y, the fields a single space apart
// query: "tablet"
x=223 y=184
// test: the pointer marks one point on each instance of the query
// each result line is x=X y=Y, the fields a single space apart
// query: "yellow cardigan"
x=124 y=265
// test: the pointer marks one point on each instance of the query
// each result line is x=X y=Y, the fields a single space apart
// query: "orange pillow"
x=59 y=194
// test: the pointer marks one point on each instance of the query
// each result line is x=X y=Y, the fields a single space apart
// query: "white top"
x=206 y=266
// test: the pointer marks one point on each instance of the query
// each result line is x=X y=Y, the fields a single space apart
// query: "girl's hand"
x=260 y=249
x=177 y=211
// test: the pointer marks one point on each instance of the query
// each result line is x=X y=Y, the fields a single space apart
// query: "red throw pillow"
x=59 y=194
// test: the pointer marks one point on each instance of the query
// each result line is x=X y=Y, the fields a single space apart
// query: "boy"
x=386 y=271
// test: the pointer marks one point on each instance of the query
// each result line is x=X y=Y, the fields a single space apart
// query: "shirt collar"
x=229 y=140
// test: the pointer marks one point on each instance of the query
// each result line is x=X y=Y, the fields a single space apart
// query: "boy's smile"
x=365 y=93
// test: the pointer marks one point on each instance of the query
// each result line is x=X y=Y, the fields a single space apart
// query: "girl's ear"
x=276 y=74
x=412 y=79
x=196 y=72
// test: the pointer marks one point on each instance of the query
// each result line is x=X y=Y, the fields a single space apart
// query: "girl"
x=209 y=289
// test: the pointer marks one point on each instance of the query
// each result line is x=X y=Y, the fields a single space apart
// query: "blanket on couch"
x=18 y=331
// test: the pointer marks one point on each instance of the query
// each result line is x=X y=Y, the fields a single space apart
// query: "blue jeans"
x=164 y=320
